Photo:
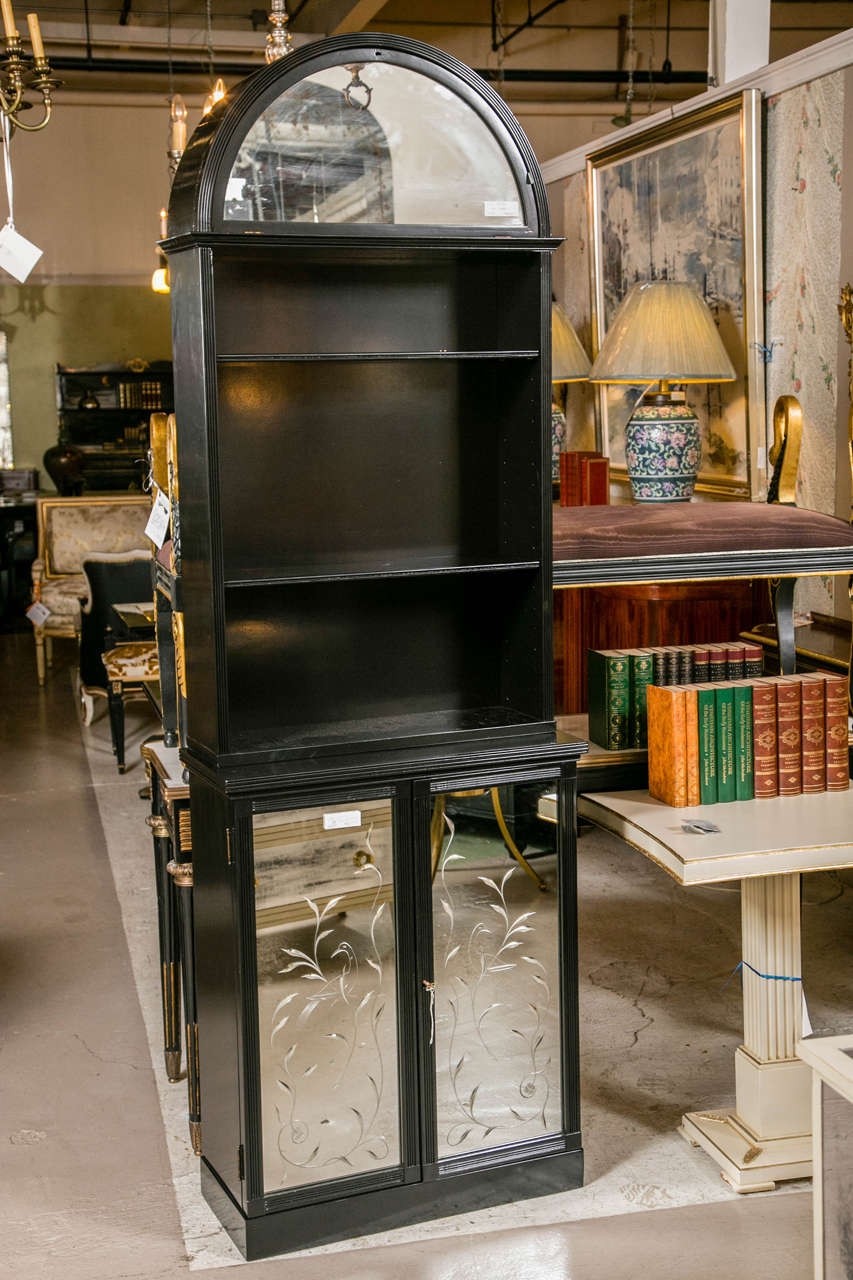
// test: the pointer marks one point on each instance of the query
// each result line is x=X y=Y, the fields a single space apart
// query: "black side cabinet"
x=387 y=996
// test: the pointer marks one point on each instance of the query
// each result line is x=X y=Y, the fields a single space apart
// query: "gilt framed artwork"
x=682 y=201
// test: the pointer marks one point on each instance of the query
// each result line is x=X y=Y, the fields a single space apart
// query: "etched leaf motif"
x=451 y=953
x=490 y=883
x=278 y=1026
x=283 y=1003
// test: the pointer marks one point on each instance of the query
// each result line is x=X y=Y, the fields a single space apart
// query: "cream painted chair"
x=69 y=529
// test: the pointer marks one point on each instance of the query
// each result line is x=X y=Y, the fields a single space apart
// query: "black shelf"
x=405 y=728
x=325 y=357
x=390 y=568
x=363 y=414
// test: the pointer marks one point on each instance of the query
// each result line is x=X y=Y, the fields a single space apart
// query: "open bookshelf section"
x=326 y=661
x=363 y=467
x=295 y=301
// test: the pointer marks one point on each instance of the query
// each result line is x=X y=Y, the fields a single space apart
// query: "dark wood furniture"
x=103 y=414
x=689 y=543
x=362 y=400
x=172 y=834
x=640 y=614
x=18 y=537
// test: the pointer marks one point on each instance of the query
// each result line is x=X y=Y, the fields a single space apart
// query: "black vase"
x=64 y=465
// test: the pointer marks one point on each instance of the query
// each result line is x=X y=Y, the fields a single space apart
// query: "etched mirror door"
x=495 y=1018
x=327 y=992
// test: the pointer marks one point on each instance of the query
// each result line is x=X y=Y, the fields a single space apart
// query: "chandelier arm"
x=10 y=105
x=34 y=128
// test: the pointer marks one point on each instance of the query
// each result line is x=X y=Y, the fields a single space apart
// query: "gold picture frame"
x=682 y=201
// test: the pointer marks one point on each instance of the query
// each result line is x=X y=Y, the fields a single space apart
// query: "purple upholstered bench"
x=660 y=542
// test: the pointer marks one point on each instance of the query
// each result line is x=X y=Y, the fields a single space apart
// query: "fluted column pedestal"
x=766 y=1137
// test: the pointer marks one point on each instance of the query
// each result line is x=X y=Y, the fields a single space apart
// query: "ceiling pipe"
x=244 y=67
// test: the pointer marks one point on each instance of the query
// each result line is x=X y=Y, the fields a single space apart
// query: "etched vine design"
x=359 y=1022
x=490 y=953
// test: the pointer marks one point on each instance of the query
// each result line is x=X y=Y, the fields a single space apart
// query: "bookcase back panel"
x=366 y=465
x=335 y=660
x=292 y=303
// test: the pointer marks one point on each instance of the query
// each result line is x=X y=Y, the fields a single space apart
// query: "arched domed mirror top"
x=360 y=135
x=372 y=142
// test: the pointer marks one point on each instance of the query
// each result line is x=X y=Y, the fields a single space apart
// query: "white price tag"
x=349 y=818
x=18 y=256
x=158 y=522
x=38 y=613
x=501 y=208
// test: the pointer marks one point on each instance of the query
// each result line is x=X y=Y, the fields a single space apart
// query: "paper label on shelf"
x=18 y=255
x=158 y=522
x=38 y=613
x=348 y=818
x=501 y=208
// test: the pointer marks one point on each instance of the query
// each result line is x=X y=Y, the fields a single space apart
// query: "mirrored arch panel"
x=372 y=142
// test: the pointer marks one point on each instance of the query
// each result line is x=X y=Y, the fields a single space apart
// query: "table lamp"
x=663 y=332
x=569 y=363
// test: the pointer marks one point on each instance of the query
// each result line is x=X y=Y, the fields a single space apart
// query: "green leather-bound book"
x=609 y=684
x=707 y=707
x=744 y=766
x=642 y=675
x=725 y=708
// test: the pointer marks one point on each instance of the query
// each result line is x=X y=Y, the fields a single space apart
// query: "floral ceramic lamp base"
x=662 y=449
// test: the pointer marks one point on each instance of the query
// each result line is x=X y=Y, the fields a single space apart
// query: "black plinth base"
x=383 y=1210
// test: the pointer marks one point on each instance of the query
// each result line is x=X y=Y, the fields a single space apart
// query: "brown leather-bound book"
x=667 y=755
x=789 y=729
x=814 y=733
x=764 y=739
x=716 y=662
x=595 y=482
x=837 y=756
x=691 y=742
x=571 y=491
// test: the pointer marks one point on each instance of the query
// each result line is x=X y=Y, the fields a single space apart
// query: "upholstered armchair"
x=68 y=530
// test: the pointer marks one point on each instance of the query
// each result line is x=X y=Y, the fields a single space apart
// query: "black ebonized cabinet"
x=387 y=998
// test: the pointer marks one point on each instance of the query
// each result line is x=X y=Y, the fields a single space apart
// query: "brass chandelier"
x=20 y=74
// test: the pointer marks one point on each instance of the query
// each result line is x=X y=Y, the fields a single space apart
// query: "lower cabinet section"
x=405 y=997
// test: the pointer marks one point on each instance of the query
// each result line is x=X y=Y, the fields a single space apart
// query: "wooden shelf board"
x=307 y=573
x=320 y=357
x=371 y=730
x=574 y=727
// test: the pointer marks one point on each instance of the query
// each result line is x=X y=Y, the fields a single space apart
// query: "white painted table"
x=765 y=844
x=831 y=1061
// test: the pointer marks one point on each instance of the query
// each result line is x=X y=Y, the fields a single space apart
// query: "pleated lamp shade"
x=663 y=331
x=569 y=361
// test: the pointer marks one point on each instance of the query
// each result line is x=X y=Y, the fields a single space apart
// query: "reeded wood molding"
x=772 y=1006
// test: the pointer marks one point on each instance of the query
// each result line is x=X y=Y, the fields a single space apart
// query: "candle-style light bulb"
x=216 y=94
x=8 y=19
x=35 y=36
x=164 y=223
x=177 y=123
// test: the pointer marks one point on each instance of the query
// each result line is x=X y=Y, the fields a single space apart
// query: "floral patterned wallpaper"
x=804 y=139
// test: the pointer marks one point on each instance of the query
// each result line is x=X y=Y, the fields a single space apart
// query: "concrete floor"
x=86 y=1183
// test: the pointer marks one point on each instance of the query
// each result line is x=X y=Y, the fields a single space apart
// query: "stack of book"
x=584 y=479
x=745 y=739
x=617 y=680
